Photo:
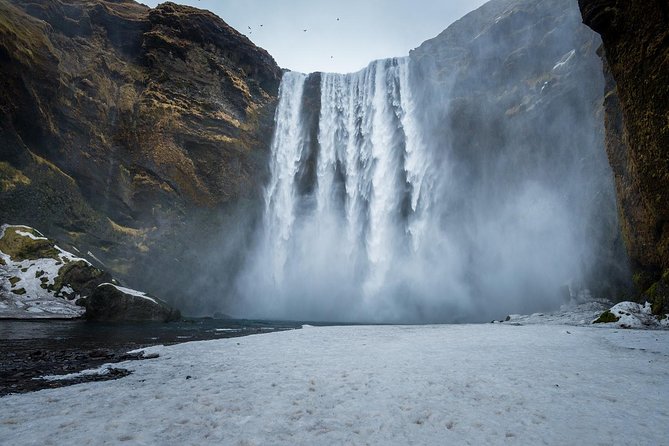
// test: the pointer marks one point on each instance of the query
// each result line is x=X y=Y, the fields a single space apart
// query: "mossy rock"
x=658 y=296
x=19 y=247
x=606 y=318
x=82 y=277
x=108 y=303
x=20 y=291
x=14 y=280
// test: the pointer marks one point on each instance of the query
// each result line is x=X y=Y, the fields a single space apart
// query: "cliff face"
x=635 y=39
x=120 y=125
x=520 y=92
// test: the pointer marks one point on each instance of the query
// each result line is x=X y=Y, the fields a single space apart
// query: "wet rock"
x=112 y=303
x=635 y=53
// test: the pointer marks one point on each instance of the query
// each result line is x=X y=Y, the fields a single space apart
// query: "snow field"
x=453 y=384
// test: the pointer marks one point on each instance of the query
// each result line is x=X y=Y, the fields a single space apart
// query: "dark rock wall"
x=635 y=39
x=130 y=132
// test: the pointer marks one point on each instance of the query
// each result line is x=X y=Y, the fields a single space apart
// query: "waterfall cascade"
x=366 y=219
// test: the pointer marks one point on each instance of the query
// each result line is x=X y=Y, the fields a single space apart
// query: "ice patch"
x=564 y=61
x=569 y=314
x=131 y=292
x=29 y=235
x=95 y=258
x=101 y=371
x=633 y=315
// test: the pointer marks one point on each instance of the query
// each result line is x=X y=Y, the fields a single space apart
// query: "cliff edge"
x=635 y=51
x=121 y=125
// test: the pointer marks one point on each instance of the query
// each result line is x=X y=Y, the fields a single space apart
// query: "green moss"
x=10 y=178
x=39 y=274
x=14 y=280
x=606 y=318
x=657 y=305
x=20 y=291
x=658 y=296
x=20 y=247
x=65 y=275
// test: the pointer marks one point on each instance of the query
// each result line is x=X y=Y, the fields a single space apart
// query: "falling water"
x=364 y=220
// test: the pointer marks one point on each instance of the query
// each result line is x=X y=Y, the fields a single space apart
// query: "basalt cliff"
x=635 y=53
x=126 y=131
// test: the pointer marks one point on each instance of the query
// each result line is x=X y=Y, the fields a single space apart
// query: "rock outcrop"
x=635 y=52
x=121 y=125
x=40 y=280
x=112 y=303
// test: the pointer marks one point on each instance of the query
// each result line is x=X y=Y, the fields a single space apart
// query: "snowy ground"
x=452 y=384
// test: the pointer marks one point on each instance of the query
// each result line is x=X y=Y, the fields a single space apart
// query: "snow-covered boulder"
x=111 y=302
x=39 y=280
x=632 y=315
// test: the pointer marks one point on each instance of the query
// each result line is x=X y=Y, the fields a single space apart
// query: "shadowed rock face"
x=635 y=39
x=109 y=303
x=120 y=125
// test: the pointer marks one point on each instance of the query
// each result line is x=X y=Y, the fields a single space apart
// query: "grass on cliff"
x=25 y=34
x=10 y=177
x=21 y=247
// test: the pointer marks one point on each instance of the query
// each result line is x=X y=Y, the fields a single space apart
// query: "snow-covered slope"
x=30 y=276
x=40 y=280
x=620 y=315
x=383 y=385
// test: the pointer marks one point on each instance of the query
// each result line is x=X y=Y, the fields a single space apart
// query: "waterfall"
x=367 y=219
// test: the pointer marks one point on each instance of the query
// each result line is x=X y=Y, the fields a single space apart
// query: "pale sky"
x=366 y=29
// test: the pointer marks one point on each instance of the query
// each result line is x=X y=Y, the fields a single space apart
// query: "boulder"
x=113 y=303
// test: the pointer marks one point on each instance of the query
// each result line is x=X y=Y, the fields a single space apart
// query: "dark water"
x=31 y=349
x=83 y=334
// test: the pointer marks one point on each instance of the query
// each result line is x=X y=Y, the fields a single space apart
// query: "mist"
x=460 y=184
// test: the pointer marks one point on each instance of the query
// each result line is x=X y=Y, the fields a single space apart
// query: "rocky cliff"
x=635 y=51
x=127 y=130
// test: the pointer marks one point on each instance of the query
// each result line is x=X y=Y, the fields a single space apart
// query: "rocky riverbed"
x=31 y=350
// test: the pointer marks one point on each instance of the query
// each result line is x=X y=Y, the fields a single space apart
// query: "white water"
x=374 y=234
